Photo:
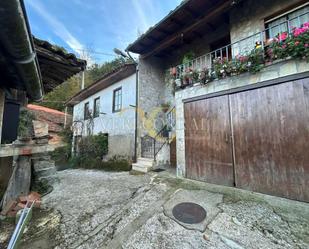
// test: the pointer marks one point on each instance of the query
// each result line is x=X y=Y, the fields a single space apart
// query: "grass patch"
x=116 y=163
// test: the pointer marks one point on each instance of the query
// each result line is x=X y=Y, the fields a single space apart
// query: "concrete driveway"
x=95 y=209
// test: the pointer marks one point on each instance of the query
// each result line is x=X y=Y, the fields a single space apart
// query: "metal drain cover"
x=158 y=170
x=188 y=212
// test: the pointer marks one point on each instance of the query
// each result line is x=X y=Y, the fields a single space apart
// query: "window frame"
x=96 y=111
x=117 y=106
x=280 y=15
x=86 y=111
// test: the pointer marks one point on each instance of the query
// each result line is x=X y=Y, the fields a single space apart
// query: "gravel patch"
x=96 y=209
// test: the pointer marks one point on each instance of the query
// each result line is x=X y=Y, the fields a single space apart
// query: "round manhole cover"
x=188 y=212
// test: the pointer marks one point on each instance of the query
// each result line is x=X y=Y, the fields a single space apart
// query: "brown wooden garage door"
x=208 y=144
x=270 y=139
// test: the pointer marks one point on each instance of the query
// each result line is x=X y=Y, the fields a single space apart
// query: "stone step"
x=41 y=157
x=45 y=172
x=145 y=161
x=141 y=167
x=52 y=179
x=40 y=164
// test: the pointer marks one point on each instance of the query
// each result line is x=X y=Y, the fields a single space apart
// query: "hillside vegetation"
x=65 y=91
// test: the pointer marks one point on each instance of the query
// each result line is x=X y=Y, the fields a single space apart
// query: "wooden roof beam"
x=226 y=18
x=163 y=31
x=191 y=12
x=212 y=13
x=153 y=39
x=199 y=35
x=212 y=27
x=173 y=20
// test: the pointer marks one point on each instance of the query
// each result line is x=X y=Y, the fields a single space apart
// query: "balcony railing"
x=240 y=48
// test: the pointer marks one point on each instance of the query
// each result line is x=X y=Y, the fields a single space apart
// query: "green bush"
x=25 y=127
x=63 y=154
x=91 y=150
x=116 y=163
x=95 y=146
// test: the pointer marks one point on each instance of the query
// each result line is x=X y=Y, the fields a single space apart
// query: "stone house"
x=108 y=107
x=245 y=127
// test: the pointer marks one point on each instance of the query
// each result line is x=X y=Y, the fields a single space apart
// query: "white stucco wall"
x=120 y=126
x=117 y=123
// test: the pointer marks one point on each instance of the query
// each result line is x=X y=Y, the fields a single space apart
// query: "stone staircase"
x=143 y=164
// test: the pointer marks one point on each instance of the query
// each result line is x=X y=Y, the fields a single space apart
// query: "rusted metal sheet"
x=208 y=141
x=271 y=138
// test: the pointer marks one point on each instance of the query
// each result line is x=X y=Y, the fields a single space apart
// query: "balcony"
x=247 y=55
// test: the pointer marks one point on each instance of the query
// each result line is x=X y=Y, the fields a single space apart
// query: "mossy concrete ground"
x=95 y=209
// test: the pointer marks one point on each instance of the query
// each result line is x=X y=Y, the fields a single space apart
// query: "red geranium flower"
x=283 y=36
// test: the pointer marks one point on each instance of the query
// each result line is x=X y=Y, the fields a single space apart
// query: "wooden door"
x=208 y=141
x=173 y=153
x=271 y=139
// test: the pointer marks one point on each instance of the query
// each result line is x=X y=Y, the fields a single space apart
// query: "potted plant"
x=186 y=77
x=205 y=76
x=195 y=76
x=166 y=131
x=187 y=58
x=173 y=71
x=165 y=106
x=178 y=82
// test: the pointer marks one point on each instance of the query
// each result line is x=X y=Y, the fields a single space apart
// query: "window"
x=285 y=22
x=117 y=100
x=96 y=106
x=86 y=111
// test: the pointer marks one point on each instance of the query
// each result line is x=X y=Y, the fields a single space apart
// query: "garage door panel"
x=207 y=141
x=271 y=139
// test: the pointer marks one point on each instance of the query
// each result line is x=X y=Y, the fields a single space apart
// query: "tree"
x=57 y=98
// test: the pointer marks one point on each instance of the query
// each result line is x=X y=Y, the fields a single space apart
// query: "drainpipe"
x=128 y=55
x=83 y=80
x=136 y=114
x=65 y=117
x=17 y=43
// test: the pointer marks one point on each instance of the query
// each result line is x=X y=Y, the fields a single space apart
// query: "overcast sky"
x=95 y=25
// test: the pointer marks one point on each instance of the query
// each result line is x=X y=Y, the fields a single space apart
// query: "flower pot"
x=173 y=71
x=178 y=82
x=165 y=109
x=196 y=84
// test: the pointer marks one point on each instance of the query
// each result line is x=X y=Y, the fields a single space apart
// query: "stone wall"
x=277 y=70
x=248 y=19
x=151 y=94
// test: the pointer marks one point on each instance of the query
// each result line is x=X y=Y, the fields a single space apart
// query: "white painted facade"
x=120 y=126
x=113 y=123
